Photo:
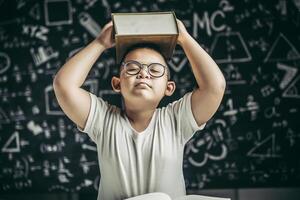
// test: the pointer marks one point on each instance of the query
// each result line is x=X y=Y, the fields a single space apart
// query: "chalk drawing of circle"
x=4 y=62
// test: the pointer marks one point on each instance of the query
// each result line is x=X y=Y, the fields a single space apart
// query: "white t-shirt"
x=134 y=163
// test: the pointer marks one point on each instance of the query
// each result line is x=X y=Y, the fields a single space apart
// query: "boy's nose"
x=143 y=73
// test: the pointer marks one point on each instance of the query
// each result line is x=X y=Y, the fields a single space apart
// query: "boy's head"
x=151 y=46
x=144 y=77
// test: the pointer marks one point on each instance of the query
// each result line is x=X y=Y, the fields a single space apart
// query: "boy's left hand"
x=183 y=33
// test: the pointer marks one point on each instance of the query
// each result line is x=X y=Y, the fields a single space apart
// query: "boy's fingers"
x=108 y=24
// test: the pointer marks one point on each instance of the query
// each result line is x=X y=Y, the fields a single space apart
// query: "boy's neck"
x=139 y=119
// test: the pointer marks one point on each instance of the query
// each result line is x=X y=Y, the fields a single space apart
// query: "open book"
x=164 y=196
x=159 y=28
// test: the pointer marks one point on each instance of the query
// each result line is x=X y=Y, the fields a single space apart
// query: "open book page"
x=151 y=196
x=200 y=197
x=164 y=196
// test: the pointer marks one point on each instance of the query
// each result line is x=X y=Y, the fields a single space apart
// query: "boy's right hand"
x=105 y=37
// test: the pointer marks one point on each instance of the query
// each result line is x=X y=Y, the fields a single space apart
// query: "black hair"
x=146 y=45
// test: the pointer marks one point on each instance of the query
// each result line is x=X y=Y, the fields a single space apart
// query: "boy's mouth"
x=142 y=83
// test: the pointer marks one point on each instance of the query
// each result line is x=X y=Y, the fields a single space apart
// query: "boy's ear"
x=171 y=86
x=115 y=84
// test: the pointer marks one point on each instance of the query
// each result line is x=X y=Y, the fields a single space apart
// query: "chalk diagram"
x=230 y=48
x=265 y=148
x=178 y=61
x=282 y=50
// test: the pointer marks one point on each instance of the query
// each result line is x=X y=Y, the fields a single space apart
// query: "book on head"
x=159 y=28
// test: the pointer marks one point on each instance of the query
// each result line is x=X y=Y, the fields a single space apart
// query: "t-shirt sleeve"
x=98 y=110
x=186 y=124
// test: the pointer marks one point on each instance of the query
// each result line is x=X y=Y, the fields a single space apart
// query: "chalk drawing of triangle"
x=264 y=149
x=282 y=50
x=230 y=48
x=12 y=145
x=292 y=91
x=83 y=158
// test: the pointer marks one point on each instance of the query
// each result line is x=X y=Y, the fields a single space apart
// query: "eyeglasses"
x=133 y=67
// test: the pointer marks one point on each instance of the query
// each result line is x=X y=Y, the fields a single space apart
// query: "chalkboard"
x=252 y=141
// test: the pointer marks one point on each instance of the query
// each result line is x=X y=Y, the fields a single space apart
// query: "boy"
x=140 y=148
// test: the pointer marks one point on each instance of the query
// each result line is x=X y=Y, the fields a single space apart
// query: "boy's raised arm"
x=207 y=98
x=75 y=101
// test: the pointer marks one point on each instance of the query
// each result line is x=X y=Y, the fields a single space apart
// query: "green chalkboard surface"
x=252 y=141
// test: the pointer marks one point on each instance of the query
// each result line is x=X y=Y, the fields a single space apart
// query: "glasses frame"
x=141 y=67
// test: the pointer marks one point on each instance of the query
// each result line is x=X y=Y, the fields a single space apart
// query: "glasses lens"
x=132 y=68
x=156 y=69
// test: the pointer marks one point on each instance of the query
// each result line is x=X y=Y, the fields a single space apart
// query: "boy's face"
x=142 y=87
